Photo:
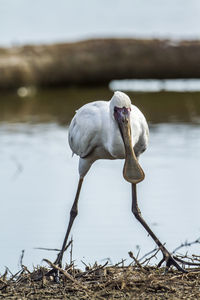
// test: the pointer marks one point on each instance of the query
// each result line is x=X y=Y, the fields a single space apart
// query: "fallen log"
x=98 y=62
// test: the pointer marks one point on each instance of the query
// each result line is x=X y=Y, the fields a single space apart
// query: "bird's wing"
x=85 y=128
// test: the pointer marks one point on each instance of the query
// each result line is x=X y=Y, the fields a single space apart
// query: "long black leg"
x=166 y=255
x=73 y=214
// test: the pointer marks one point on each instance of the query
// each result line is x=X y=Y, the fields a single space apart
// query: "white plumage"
x=113 y=129
x=94 y=133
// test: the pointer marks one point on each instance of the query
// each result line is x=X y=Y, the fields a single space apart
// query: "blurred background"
x=56 y=56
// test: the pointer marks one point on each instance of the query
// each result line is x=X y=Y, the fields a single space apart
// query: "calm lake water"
x=39 y=178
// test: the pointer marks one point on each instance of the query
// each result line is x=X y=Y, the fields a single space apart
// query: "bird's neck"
x=114 y=140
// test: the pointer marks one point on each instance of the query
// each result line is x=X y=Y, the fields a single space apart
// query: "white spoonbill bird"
x=113 y=129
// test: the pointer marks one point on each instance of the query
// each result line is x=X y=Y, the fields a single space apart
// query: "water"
x=39 y=179
x=47 y=21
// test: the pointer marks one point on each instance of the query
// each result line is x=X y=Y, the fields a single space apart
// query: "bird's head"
x=120 y=107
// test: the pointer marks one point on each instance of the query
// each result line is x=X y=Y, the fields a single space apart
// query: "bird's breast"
x=116 y=147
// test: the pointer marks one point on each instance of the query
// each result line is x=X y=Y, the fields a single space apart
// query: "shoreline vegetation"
x=97 y=62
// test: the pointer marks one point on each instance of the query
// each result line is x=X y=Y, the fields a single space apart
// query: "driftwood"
x=97 y=62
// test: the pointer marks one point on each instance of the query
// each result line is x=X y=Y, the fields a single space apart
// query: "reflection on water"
x=59 y=105
x=39 y=177
x=155 y=85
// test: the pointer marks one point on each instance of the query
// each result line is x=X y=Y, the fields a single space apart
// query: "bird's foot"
x=170 y=261
x=54 y=271
x=55 y=275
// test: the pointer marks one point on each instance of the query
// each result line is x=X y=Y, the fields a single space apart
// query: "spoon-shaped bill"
x=132 y=171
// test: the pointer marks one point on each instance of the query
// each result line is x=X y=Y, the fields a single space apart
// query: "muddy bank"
x=97 y=62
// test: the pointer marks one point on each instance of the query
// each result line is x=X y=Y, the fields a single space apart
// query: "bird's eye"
x=115 y=109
